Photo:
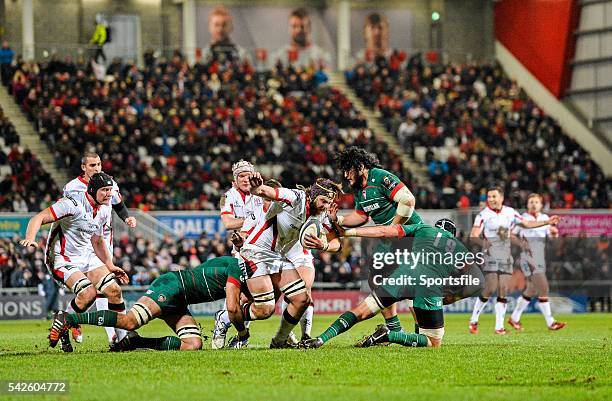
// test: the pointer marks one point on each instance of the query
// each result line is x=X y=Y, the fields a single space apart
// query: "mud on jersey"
x=376 y=199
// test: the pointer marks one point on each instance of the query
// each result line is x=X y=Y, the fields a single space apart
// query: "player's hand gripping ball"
x=312 y=234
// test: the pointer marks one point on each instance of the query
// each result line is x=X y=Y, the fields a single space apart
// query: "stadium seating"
x=24 y=185
x=473 y=127
x=169 y=133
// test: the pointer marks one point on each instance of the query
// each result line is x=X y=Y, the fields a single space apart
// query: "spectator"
x=98 y=39
x=6 y=59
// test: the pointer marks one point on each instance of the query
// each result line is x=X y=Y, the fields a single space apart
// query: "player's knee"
x=297 y=293
x=131 y=323
x=191 y=344
x=262 y=310
x=434 y=342
x=88 y=295
x=113 y=293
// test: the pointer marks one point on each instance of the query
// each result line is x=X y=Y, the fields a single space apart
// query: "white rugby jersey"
x=536 y=237
x=250 y=224
x=76 y=220
x=241 y=205
x=79 y=185
x=497 y=226
x=279 y=229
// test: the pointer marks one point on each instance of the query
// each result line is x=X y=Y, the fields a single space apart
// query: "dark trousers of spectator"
x=5 y=73
x=99 y=53
x=51 y=294
x=605 y=304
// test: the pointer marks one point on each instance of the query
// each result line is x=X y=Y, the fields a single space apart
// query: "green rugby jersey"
x=207 y=282
x=376 y=199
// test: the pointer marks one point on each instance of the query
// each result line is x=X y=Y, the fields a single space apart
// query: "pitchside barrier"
x=26 y=303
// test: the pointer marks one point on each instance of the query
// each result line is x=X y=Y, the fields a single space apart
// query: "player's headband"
x=325 y=187
x=240 y=167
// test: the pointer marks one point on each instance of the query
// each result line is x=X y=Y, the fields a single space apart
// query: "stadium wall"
x=539 y=33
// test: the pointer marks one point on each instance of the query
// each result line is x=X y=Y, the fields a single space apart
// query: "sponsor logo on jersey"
x=387 y=183
x=161 y=298
x=370 y=208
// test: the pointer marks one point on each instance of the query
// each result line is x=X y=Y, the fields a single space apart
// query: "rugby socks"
x=119 y=308
x=500 y=312
x=224 y=317
x=168 y=343
x=407 y=339
x=102 y=304
x=479 y=306
x=306 y=321
x=288 y=322
x=99 y=318
x=545 y=308
x=342 y=324
x=521 y=304
x=393 y=323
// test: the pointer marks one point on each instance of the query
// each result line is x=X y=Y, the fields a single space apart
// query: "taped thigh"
x=294 y=288
x=142 y=313
x=264 y=298
x=80 y=285
x=105 y=282
x=188 y=331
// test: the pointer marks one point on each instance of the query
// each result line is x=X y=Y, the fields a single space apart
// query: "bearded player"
x=533 y=265
x=298 y=256
x=496 y=222
x=266 y=250
x=379 y=195
x=428 y=300
x=90 y=165
x=168 y=298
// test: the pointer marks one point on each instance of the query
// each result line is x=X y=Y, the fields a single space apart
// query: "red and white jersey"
x=536 y=237
x=79 y=185
x=497 y=226
x=279 y=229
x=76 y=221
x=241 y=205
x=297 y=252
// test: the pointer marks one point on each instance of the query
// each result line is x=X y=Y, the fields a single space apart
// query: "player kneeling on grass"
x=167 y=298
x=403 y=283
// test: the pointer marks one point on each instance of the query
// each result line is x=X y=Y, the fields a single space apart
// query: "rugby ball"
x=314 y=227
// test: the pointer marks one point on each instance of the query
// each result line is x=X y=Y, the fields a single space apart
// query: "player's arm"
x=406 y=203
x=392 y=231
x=229 y=221
x=519 y=242
x=475 y=237
x=124 y=214
x=232 y=298
x=333 y=242
x=354 y=219
x=535 y=224
x=102 y=252
x=44 y=217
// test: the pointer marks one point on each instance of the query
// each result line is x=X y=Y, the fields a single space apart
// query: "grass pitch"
x=572 y=364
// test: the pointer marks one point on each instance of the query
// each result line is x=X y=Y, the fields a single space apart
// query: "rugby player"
x=298 y=256
x=91 y=164
x=167 y=298
x=266 y=250
x=428 y=301
x=496 y=222
x=533 y=265
x=381 y=196
x=237 y=206
x=77 y=255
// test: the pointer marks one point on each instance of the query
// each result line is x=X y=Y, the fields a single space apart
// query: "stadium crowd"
x=24 y=185
x=474 y=127
x=169 y=132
